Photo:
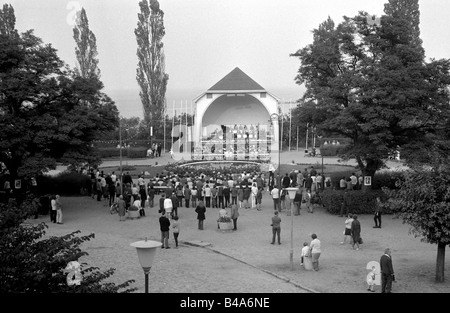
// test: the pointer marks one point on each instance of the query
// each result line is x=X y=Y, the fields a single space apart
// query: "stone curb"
x=207 y=245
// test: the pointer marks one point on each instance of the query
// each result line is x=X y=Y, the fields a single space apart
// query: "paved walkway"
x=244 y=260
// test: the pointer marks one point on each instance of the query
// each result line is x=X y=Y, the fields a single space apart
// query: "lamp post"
x=292 y=191
x=146 y=250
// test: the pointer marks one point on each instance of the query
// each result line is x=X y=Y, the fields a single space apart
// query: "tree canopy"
x=48 y=113
x=422 y=200
x=373 y=84
x=150 y=73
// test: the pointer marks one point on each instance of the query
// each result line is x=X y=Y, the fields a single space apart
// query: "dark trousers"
x=227 y=201
x=174 y=211
x=187 y=203
x=214 y=202
x=221 y=204
x=175 y=236
x=200 y=224
x=111 y=197
x=276 y=204
x=141 y=212
x=53 y=216
x=276 y=232
x=386 y=283
x=208 y=202
x=377 y=219
x=99 y=195
x=234 y=200
x=235 y=223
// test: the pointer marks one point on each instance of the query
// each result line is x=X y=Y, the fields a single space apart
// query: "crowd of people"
x=222 y=191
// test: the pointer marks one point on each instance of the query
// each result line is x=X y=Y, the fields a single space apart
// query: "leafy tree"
x=374 y=86
x=33 y=264
x=423 y=201
x=48 y=114
x=86 y=47
x=150 y=73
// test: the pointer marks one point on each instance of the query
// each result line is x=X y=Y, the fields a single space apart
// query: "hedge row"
x=66 y=183
x=332 y=150
x=381 y=179
x=361 y=202
x=132 y=152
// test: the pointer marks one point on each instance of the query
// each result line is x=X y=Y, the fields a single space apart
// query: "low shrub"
x=332 y=150
x=132 y=152
x=361 y=202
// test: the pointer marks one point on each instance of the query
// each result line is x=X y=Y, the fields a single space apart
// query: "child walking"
x=305 y=252
x=371 y=280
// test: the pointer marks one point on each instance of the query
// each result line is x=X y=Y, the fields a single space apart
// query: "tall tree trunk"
x=440 y=263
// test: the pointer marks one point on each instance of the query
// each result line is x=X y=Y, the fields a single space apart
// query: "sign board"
x=367 y=180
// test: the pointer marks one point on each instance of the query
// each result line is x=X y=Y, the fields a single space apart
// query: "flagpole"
x=290 y=123
x=164 y=123
x=186 y=135
x=173 y=122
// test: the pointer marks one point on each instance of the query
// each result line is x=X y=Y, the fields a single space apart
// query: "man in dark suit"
x=387 y=271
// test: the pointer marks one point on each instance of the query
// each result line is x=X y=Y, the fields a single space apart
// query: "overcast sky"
x=206 y=39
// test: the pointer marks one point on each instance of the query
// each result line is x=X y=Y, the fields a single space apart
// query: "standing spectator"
x=349 y=184
x=247 y=193
x=59 y=215
x=187 y=195
x=276 y=228
x=180 y=194
x=219 y=197
x=360 y=181
x=151 y=195
x=313 y=171
x=298 y=201
x=134 y=192
x=348 y=228
x=168 y=207
x=201 y=210
x=112 y=193
x=305 y=252
x=283 y=199
x=259 y=198
x=319 y=182
x=271 y=182
x=234 y=215
x=315 y=251
x=118 y=190
x=143 y=196
x=226 y=196
x=207 y=192
x=286 y=181
x=377 y=215
x=345 y=204
x=308 y=204
x=194 y=193
x=240 y=196
x=387 y=271
x=354 y=181
x=121 y=206
x=214 y=190
x=175 y=205
x=276 y=198
x=98 y=187
x=356 y=232
x=234 y=195
x=159 y=149
x=300 y=179
x=53 y=210
x=254 y=191
x=308 y=182
x=343 y=183
x=161 y=202
x=176 y=229
x=164 y=225
x=127 y=179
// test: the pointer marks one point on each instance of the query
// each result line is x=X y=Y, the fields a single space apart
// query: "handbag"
x=360 y=241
